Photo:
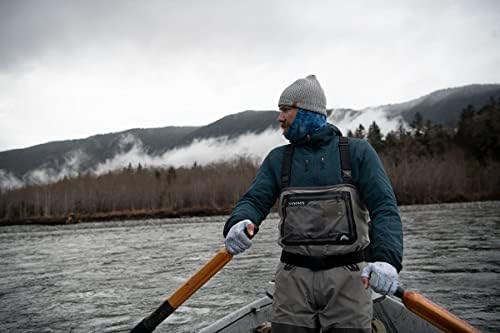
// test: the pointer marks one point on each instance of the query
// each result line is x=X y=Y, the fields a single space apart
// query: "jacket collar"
x=323 y=136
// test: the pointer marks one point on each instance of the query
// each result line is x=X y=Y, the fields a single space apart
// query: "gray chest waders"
x=326 y=226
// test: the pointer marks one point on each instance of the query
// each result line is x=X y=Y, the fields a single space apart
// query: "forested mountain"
x=56 y=160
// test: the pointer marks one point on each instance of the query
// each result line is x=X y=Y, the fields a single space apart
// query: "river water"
x=105 y=277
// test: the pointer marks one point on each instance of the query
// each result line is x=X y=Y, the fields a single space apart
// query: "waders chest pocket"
x=317 y=218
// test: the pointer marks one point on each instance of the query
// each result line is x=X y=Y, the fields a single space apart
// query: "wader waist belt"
x=323 y=263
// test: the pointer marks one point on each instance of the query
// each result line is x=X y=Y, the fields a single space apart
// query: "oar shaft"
x=195 y=282
x=436 y=315
x=205 y=273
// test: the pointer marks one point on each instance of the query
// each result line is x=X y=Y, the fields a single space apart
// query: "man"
x=337 y=212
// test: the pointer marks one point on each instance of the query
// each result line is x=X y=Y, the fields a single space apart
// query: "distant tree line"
x=427 y=163
x=136 y=191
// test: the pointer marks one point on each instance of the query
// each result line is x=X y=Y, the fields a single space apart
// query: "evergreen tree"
x=479 y=132
x=417 y=124
x=375 y=136
x=360 y=132
x=436 y=139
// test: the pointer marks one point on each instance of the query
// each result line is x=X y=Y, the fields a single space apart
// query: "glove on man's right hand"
x=237 y=240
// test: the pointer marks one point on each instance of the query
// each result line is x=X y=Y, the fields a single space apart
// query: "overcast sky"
x=71 y=69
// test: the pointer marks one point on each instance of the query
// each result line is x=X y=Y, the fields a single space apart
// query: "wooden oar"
x=195 y=282
x=434 y=314
x=198 y=279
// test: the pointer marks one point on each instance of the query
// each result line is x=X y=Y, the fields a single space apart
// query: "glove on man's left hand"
x=383 y=277
x=237 y=240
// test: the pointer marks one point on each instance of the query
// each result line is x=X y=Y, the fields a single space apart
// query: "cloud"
x=203 y=152
x=70 y=168
x=381 y=115
x=254 y=146
x=133 y=156
x=257 y=31
x=8 y=181
x=34 y=32
x=115 y=65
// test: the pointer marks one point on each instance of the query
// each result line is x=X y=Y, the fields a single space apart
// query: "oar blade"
x=436 y=315
x=148 y=324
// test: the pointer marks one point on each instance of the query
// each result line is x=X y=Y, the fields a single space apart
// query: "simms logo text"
x=296 y=203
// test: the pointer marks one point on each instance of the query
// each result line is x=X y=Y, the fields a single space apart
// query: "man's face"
x=286 y=117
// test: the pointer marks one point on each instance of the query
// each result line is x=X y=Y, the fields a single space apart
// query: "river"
x=105 y=277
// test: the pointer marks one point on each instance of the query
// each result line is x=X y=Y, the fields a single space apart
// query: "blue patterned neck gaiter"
x=305 y=123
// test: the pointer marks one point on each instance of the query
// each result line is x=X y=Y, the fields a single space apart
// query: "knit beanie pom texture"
x=306 y=94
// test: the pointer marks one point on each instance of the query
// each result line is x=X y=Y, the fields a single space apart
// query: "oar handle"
x=436 y=315
x=198 y=279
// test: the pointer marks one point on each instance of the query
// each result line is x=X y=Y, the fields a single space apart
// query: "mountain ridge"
x=82 y=155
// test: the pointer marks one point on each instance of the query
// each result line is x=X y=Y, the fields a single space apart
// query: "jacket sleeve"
x=260 y=197
x=386 y=234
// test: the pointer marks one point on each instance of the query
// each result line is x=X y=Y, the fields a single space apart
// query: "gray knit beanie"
x=305 y=94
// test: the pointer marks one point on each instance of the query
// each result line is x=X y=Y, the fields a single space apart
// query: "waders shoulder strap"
x=345 y=160
x=286 y=165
